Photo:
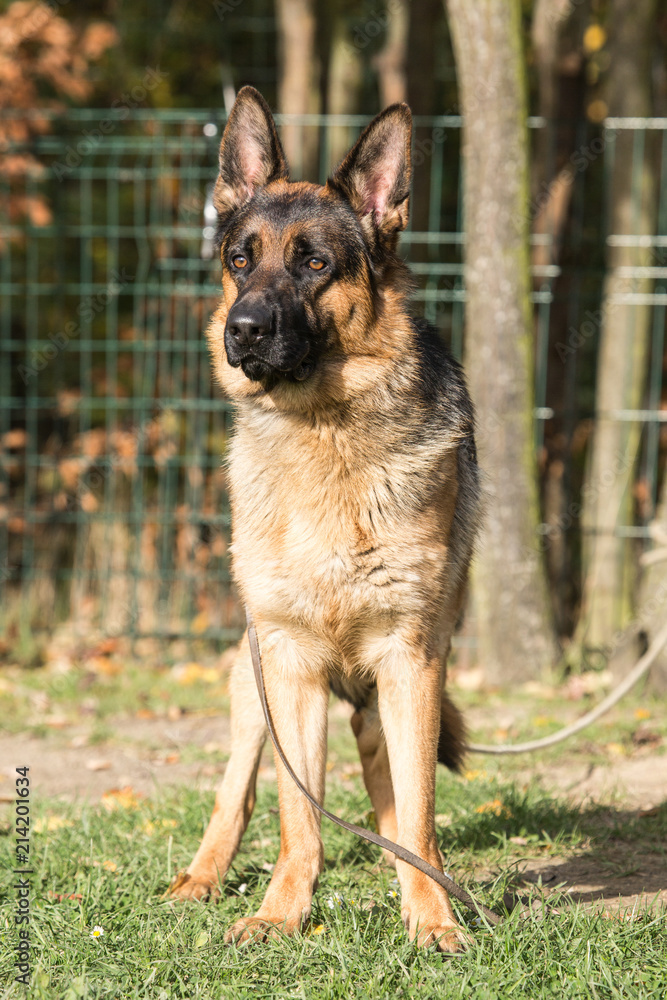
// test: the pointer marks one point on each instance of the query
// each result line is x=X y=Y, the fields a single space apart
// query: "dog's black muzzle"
x=264 y=345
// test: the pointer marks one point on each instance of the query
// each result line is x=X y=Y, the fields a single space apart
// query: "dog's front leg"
x=409 y=700
x=235 y=799
x=298 y=694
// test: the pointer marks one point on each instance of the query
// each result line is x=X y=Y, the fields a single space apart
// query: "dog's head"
x=304 y=266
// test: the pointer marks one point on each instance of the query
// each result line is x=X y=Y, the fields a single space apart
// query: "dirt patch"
x=148 y=754
x=159 y=753
x=618 y=881
x=614 y=876
x=639 y=783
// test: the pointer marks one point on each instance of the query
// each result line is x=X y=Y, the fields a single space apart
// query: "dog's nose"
x=248 y=324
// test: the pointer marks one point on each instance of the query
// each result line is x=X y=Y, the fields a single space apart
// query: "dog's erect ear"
x=250 y=153
x=375 y=174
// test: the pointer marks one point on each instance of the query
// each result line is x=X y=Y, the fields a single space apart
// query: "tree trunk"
x=557 y=34
x=652 y=610
x=389 y=63
x=516 y=639
x=343 y=88
x=421 y=98
x=298 y=83
x=625 y=334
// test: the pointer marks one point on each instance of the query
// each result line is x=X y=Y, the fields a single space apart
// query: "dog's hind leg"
x=452 y=738
x=375 y=764
x=235 y=799
x=374 y=758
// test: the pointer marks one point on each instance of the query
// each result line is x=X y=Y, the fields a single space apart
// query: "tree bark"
x=343 y=88
x=652 y=610
x=298 y=83
x=421 y=98
x=516 y=640
x=557 y=34
x=389 y=63
x=625 y=335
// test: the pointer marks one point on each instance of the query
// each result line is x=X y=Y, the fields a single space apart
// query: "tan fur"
x=341 y=549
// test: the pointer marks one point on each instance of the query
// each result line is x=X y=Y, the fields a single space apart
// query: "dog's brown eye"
x=315 y=264
x=239 y=261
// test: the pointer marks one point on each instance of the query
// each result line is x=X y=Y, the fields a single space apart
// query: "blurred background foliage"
x=113 y=514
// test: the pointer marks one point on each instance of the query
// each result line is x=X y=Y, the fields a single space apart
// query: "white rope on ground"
x=637 y=672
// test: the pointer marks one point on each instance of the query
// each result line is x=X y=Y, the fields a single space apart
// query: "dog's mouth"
x=259 y=370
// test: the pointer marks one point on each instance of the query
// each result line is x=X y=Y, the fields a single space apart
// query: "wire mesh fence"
x=113 y=508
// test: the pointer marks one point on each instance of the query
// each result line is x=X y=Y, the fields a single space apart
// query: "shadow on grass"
x=597 y=852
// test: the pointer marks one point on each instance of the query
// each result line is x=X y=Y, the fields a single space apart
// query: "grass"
x=109 y=869
x=100 y=690
x=98 y=865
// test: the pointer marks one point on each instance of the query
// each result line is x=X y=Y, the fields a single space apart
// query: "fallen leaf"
x=473 y=775
x=98 y=765
x=496 y=807
x=121 y=798
x=57 y=721
x=60 y=897
x=50 y=823
x=187 y=673
x=201 y=939
x=170 y=758
x=109 y=866
x=103 y=666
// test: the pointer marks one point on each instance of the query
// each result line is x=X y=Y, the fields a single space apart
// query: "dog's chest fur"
x=331 y=533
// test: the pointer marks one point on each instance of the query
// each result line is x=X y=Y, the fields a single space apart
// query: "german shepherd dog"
x=355 y=502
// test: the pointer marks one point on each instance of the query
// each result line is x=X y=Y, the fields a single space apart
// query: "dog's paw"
x=446 y=937
x=430 y=921
x=261 y=929
x=187 y=886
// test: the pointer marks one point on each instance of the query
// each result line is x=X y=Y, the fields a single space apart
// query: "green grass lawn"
x=95 y=867
x=107 y=866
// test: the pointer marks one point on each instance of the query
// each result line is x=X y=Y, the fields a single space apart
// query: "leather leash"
x=401 y=852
